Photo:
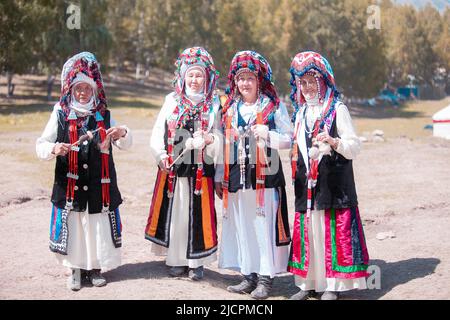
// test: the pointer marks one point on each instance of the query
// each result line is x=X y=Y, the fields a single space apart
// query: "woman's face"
x=308 y=86
x=82 y=92
x=248 y=86
x=195 y=79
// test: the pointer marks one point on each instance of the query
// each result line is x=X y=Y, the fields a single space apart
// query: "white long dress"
x=349 y=146
x=179 y=224
x=90 y=245
x=248 y=241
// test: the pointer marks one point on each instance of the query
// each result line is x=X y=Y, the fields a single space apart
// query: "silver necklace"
x=319 y=117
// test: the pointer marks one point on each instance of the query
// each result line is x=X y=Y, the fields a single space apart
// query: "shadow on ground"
x=143 y=270
x=26 y=108
x=383 y=112
x=392 y=274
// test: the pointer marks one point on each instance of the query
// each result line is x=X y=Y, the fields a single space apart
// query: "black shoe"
x=330 y=295
x=178 y=271
x=303 y=295
x=263 y=288
x=96 y=278
x=246 y=286
x=196 y=274
x=85 y=277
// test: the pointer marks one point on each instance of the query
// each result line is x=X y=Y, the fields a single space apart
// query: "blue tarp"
x=389 y=96
x=408 y=92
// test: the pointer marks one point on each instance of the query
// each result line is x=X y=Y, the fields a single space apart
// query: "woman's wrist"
x=335 y=143
x=125 y=132
x=210 y=139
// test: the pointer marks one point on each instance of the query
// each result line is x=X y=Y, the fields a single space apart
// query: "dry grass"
x=29 y=109
x=408 y=120
x=135 y=103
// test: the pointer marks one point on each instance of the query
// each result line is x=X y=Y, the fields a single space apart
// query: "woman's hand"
x=260 y=131
x=61 y=149
x=116 y=132
x=208 y=137
x=219 y=189
x=325 y=137
x=164 y=165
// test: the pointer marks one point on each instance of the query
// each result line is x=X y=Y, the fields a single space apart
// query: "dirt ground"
x=403 y=186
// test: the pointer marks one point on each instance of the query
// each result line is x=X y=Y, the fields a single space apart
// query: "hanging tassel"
x=72 y=174
x=241 y=157
x=198 y=180
x=171 y=140
x=294 y=160
x=309 y=199
x=294 y=152
x=226 y=175
x=199 y=173
x=260 y=166
x=104 y=149
x=204 y=115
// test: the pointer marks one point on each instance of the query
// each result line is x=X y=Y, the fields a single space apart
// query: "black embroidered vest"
x=274 y=174
x=88 y=190
x=335 y=184
x=186 y=166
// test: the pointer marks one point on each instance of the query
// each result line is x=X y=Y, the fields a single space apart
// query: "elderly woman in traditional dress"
x=255 y=228
x=328 y=252
x=85 y=230
x=182 y=219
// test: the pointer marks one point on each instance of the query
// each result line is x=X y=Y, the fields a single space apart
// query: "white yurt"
x=441 y=123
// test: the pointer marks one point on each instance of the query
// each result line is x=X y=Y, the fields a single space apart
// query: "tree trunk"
x=50 y=82
x=138 y=71
x=140 y=32
x=10 y=86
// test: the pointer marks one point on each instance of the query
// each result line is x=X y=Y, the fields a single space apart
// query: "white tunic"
x=179 y=224
x=90 y=244
x=248 y=241
x=349 y=147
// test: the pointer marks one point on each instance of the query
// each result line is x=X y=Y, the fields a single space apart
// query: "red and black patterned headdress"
x=85 y=63
x=314 y=63
x=256 y=63
x=196 y=56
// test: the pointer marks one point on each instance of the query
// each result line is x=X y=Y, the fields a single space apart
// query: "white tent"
x=441 y=123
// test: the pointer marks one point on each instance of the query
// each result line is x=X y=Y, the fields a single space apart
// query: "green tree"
x=121 y=24
x=363 y=73
x=409 y=49
x=338 y=30
x=234 y=29
x=443 y=49
x=17 y=38
x=55 y=43
x=279 y=34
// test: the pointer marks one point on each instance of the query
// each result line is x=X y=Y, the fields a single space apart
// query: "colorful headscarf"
x=86 y=64
x=303 y=63
x=191 y=57
x=256 y=63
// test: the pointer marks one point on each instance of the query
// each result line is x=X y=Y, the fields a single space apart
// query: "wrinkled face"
x=308 y=86
x=247 y=84
x=195 y=79
x=82 y=92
